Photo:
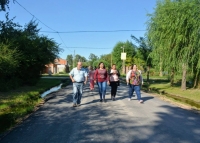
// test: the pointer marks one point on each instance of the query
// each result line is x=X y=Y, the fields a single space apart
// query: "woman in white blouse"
x=114 y=81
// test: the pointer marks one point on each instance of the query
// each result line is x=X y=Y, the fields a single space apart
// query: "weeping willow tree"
x=173 y=32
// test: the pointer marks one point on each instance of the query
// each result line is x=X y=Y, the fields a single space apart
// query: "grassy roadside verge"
x=161 y=87
x=16 y=104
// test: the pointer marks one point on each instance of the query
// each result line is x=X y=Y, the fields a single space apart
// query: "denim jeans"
x=135 y=88
x=77 y=92
x=102 y=89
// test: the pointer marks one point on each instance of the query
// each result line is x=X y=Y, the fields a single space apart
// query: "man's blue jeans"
x=102 y=89
x=77 y=92
x=135 y=88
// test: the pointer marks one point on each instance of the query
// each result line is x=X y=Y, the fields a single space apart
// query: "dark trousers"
x=113 y=85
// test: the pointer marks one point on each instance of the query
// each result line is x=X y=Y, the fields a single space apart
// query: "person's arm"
x=71 y=75
x=109 y=73
x=86 y=77
x=107 y=77
x=86 y=73
x=128 y=76
x=95 y=76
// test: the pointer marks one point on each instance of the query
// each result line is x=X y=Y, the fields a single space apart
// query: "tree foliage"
x=173 y=32
x=4 y=4
x=26 y=53
x=142 y=52
x=92 y=58
x=130 y=51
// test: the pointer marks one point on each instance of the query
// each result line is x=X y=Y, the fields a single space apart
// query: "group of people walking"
x=102 y=77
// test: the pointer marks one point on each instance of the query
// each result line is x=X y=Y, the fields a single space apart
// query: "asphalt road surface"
x=120 y=121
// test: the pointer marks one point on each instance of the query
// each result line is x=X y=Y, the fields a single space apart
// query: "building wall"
x=56 y=67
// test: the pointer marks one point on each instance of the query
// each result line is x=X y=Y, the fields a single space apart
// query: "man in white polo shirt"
x=78 y=76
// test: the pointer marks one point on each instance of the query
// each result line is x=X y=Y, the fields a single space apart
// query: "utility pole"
x=123 y=57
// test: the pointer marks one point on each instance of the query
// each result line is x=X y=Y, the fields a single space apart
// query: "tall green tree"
x=79 y=58
x=129 y=49
x=92 y=58
x=173 y=31
x=35 y=52
x=143 y=50
x=70 y=61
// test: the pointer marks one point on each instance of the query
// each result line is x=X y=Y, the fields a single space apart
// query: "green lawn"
x=193 y=94
x=16 y=104
x=162 y=86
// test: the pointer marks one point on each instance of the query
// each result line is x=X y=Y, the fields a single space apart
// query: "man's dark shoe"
x=78 y=105
x=100 y=100
x=74 y=105
x=104 y=100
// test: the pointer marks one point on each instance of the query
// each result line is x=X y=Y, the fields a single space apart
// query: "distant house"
x=59 y=65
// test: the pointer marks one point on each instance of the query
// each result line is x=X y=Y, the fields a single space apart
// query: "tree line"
x=24 y=54
x=170 y=45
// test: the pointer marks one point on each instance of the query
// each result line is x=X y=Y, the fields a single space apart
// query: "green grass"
x=56 y=75
x=162 y=86
x=16 y=104
x=193 y=94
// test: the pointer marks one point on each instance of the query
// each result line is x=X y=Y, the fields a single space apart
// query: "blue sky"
x=85 y=15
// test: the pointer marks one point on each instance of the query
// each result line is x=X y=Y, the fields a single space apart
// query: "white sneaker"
x=140 y=101
x=129 y=99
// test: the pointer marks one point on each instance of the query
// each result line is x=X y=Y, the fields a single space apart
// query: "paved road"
x=119 y=121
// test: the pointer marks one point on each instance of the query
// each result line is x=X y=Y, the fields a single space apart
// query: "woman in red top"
x=101 y=78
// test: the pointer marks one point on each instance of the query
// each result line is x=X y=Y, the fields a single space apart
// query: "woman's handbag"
x=118 y=83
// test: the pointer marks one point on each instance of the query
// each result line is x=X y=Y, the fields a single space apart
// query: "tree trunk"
x=161 y=71
x=148 y=74
x=195 y=79
x=198 y=85
x=183 y=83
x=172 y=77
x=148 y=83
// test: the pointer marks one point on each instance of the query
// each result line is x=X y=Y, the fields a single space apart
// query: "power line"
x=41 y=22
x=34 y=15
x=85 y=48
x=96 y=31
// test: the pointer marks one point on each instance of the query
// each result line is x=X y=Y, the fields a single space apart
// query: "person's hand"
x=73 y=80
x=108 y=82
x=94 y=81
x=85 y=82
